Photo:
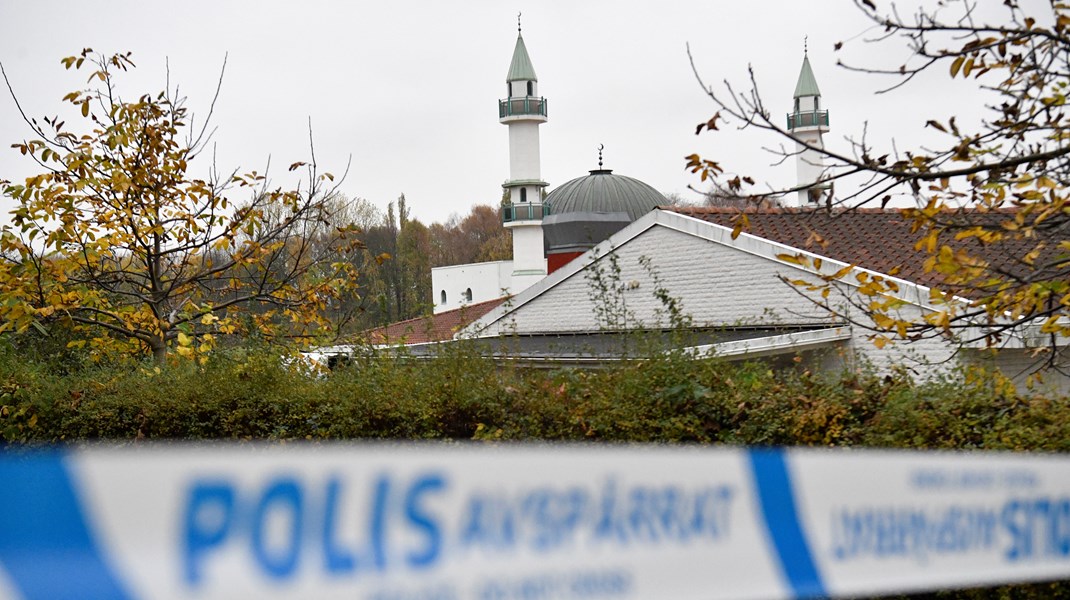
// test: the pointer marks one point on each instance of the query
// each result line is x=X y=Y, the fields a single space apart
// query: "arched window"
x=523 y=194
x=531 y=88
x=443 y=297
x=468 y=295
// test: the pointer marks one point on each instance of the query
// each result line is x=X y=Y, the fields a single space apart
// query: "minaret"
x=806 y=124
x=523 y=111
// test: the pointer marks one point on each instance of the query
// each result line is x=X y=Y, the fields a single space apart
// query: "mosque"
x=744 y=293
x=551 y=230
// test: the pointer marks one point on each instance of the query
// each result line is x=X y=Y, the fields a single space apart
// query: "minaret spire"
x=523 y=209
x=807 y=123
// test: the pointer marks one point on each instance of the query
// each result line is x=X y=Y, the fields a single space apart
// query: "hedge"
x=459 y=395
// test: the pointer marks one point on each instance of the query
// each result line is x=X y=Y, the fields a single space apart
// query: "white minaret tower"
x=523 y=111
x=807 y=123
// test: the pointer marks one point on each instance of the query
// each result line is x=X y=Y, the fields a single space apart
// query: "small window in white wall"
x=523 y=194
x=443 y=297
x=468 y=295
x=531 y=88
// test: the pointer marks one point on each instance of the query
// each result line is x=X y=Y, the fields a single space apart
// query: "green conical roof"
x=520 y=69
x=807 y=85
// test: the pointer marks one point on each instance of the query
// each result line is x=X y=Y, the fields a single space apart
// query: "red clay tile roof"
x=875 y=239
x=434 y=328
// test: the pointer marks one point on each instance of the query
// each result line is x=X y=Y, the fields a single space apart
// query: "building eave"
x=775 y=344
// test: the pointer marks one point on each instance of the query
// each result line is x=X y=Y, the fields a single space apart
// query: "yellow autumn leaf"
x=956 y=65
x=883 y=321
x=794 y=259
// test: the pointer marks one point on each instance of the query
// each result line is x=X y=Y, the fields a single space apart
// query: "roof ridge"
x=430 y=326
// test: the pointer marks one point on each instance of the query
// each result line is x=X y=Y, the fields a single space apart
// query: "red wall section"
x=556 y=261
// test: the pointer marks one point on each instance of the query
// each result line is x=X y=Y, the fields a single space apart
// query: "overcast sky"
x=407 y=90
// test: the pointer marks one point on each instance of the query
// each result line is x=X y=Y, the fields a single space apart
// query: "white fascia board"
x=330 y=350
x=752 y=348
x=774 y=344
x=400 y=346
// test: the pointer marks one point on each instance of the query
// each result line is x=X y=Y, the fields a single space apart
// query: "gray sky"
x=409 y=89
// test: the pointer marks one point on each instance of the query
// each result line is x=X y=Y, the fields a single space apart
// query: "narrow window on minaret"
x=523 y=194
x=531 y=89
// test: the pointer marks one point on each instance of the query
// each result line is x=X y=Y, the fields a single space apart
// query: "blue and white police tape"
x=436 y=522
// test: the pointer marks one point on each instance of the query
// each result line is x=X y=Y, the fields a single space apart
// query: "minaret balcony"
x=522 y=107
x=524 y=211
x=808 y=118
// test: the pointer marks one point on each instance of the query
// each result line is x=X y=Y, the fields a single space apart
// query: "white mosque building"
x=550 y=230
x=539 y=309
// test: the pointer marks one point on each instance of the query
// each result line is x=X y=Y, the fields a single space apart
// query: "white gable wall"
x=718 y=281
x=716 y=285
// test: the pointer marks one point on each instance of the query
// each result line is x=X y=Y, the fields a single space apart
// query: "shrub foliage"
x=459 y=395
x=248 y=394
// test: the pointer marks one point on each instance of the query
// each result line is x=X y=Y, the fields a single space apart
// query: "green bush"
x=256 y=394
x=247 y=394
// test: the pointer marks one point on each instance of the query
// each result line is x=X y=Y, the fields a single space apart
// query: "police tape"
x=454 y=522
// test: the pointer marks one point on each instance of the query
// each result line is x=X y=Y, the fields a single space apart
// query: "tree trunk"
x=159 y=351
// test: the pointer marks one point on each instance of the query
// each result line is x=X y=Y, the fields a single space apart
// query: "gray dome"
x=604 y=192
